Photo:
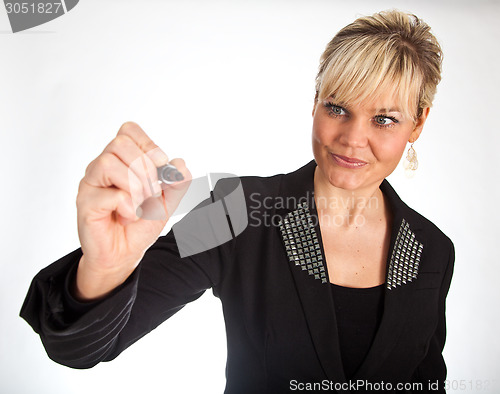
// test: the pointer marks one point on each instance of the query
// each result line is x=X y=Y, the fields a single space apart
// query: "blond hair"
x=388 y=52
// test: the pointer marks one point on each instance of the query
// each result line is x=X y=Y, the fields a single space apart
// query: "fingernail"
x=138 y=212
x=158 y=157
x=157 y=190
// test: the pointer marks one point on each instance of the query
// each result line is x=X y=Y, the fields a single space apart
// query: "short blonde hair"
x=388 y=52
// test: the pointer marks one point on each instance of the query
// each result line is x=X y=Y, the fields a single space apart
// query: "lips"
x=350 y=159
x=348 y=162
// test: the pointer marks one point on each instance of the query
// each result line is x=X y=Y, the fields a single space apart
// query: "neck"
x=346 y=208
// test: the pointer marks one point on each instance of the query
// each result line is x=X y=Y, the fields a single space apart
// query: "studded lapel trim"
x=301 y=242
x=304 y=251
x=405 y=258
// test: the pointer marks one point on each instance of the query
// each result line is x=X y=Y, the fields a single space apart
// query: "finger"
x=157 y=156
x=137 y=161
x=175 y=192
x=145 y=143
x=108 y=170
x=95 y=203
x=153 y=208
x=148 y=168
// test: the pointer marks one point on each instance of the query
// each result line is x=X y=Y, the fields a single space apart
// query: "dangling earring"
x=411 y=163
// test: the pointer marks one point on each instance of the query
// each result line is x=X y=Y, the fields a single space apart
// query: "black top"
x=358 y=312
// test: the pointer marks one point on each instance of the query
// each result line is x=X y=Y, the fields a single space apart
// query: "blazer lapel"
x=299 y=232
x=308 y=267
x=402 y=268
x=299 y=228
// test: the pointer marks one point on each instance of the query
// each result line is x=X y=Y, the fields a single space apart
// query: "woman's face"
x=358 y=146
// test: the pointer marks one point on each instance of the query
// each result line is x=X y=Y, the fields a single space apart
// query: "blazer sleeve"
x=80 y=335
x=433 y=367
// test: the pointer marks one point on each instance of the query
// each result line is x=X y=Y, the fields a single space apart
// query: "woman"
x=334 y=283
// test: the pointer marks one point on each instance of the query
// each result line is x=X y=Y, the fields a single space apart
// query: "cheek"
x=389 y=150
x=320 y=133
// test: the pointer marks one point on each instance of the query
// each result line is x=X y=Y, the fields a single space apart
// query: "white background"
x=229 y=87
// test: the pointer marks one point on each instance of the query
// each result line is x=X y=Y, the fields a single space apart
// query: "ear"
x=419 y=125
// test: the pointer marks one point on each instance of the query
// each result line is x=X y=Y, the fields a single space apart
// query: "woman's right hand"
x=120 y=184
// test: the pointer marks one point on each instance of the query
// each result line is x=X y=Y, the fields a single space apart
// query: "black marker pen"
x=169 y=174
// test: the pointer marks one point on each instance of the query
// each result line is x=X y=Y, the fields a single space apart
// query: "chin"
x=345 y=181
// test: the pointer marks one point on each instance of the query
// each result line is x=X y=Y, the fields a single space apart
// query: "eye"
x=335 y=110
x=385 y=121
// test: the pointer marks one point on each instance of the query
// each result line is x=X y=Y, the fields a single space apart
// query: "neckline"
x=357 y=289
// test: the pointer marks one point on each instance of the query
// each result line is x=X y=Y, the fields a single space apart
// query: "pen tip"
x=179 y=176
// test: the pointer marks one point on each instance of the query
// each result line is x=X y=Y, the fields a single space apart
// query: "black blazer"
x=273 y=283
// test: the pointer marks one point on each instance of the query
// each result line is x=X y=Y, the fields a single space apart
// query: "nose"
x=354 y=134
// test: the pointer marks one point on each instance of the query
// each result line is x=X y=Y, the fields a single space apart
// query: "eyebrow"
x=385 y=110
x=338 y=102
x=376 y=110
